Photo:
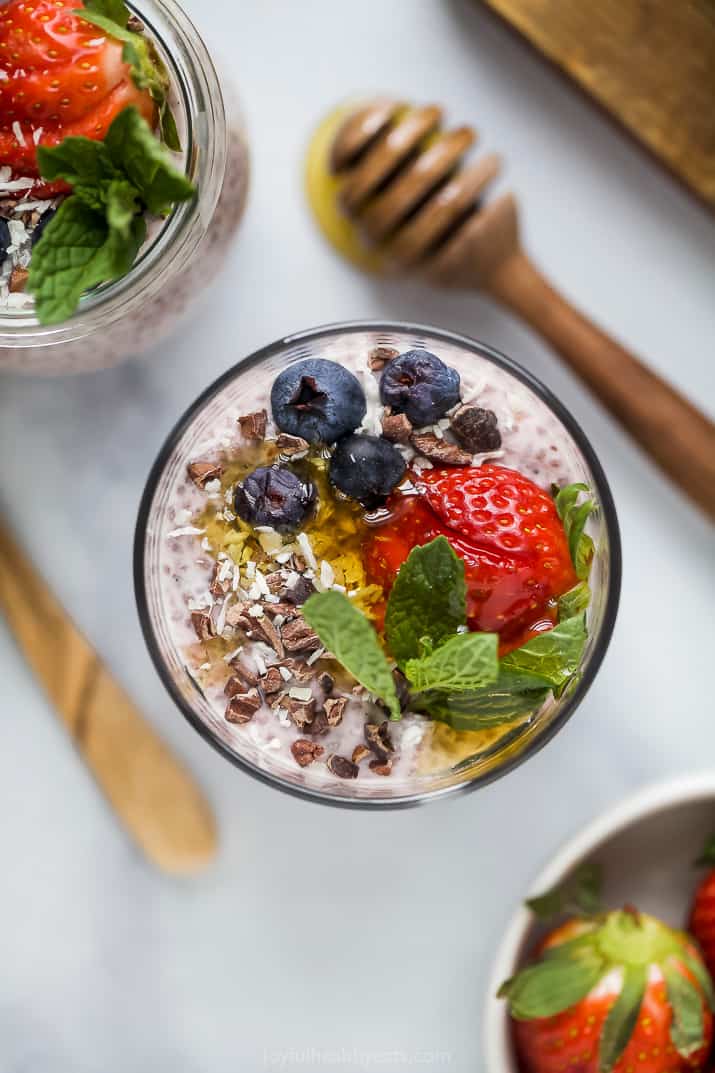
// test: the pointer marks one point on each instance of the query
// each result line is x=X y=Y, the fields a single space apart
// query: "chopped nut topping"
x=359 y=753
x=476 y=429
x=202 y=472
x=243 y=706
x=265 y=630
x=379 y=741
x=334 y=710
x=380 y=768
x=297 y=594
x=342 y=767
x=447 y=454
x=201 y=621
x=320 y=724
x=291 y=445
x=298 y=637
x=379 y=356
x=272 y=681
x=218 y=587
x=275 y=582
x=397 y=428
x=326 y=682
x=305 y=752
x=286 y=610
x=253 y=426
x=243 y=674
x=18 y=279
x=299 y=712
x=300 y=671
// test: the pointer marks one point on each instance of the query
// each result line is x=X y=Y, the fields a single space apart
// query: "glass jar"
x=123 y=318
x=550 y=446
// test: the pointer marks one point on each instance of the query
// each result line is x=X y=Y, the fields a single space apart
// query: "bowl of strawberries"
x=608 y=967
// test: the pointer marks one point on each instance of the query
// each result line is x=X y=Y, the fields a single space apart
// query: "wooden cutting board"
x=650 y=63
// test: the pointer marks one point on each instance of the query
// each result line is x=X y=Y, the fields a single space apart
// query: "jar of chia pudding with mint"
x=377 y=564
x=123 y=178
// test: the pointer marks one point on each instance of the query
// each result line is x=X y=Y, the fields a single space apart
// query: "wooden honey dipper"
x=391 y=191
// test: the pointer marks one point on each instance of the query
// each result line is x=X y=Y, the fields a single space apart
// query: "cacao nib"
x=342 y=767
x=305 y=752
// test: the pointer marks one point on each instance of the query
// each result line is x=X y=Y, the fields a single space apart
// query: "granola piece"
x=298 y=637
x=203 y=624
x=253 y=426
x=440 y=451
x=300 y=712
x=342 y=767
x=297 y=594
x=379 y=356
x=203 y=472
x=305 y=752
x=243 y=706
x=326 y=682
x=272 y=681
x=291 y=445
x=359 y=753
x=334 y=709
x=380 y=767
x=378 y=739
x=476 y=429
x=18 y=279
x=397 y=428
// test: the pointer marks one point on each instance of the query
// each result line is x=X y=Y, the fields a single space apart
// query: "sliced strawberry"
x=62 y=76
x=513 y=573
x=702 y=914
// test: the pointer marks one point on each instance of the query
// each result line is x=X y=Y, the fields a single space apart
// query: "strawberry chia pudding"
x=372 y=564
x=123 y=176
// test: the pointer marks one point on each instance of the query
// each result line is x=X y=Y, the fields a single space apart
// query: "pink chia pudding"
x=320 y=582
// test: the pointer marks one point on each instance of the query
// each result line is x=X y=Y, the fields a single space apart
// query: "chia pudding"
x=161 y=231
x=351 y=555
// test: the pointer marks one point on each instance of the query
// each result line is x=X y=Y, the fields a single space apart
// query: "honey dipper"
x=391 y=190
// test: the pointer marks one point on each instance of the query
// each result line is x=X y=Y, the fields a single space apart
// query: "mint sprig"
x=346 y=633
x=574 y=515
x=551 y=657
x=147 y=69
x=428 y=601
x=98 y=230
x=465 y=662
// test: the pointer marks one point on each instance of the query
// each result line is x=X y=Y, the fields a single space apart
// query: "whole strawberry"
x=618 y=992
x=62 y=75
x=702 y=914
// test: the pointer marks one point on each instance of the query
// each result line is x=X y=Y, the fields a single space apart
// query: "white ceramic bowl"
x=646 y=846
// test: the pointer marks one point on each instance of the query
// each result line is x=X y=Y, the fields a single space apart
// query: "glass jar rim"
x=21 y=327
x=605 y=498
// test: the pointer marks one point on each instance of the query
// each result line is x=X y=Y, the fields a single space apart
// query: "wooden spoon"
x=390 y=190
x=154 y=796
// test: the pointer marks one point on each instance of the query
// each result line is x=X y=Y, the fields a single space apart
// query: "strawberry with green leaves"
x=702 y=913
x=611 y=992
x=68 y=70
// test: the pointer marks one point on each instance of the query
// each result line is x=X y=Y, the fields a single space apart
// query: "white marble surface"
x=323 y=931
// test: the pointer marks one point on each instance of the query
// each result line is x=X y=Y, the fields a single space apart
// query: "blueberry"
x=5 y=240
x=419 y=385
x=48 y=214
x=275 y=496
x=366 y=468
x=318 y=400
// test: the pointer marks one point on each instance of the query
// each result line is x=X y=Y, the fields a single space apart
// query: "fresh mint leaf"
x=551 y=657
x=575 y=601
x=122 y=206
x=428 y=600
x=462 y=664
x=115 y=10
x=481 y=709
x=82 y=162
x=348 y=634
x=574 y=516
x=134 y=150
x=77 y=251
